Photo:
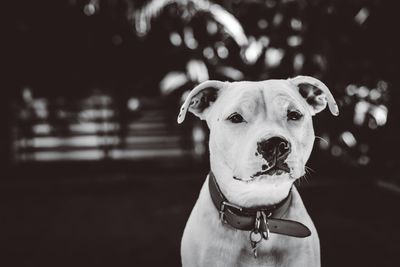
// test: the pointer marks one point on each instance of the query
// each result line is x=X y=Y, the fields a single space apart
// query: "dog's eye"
x=235 y=118
x=294 y=115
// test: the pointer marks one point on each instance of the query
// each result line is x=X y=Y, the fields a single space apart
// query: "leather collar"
x=248 y=219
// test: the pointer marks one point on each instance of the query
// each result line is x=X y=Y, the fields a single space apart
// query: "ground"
x=125 y=219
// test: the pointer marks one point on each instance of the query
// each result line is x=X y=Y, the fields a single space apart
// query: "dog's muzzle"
x=275 y=151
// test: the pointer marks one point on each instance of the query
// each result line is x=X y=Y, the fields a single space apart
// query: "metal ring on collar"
x=257 y=222
x=265 y=234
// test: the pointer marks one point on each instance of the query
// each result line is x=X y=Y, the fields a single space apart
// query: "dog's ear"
x=200 y=99
x=316 y=94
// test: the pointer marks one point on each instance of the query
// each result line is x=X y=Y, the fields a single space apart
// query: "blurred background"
x=94 y=168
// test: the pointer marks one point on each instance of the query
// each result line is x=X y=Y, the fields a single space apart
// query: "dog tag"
x=254 y=248
x=255 y=239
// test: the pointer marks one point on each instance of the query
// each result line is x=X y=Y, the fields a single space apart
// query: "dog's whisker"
x=323 y=139
x=305 y=177
x=301 y=179
x=307 y=174
x=309 y=169
x=298 y=181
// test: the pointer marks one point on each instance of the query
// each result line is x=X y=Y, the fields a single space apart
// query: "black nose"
x=274 y=148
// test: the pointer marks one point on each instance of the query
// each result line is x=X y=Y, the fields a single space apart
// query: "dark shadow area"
x=137 y=220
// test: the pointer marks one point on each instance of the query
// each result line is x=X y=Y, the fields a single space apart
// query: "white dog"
x=248 y=212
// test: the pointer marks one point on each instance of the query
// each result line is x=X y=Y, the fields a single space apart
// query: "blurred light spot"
x=346 y=100
x=175 y=39
x=191 y=43
x=208 y=53
x=296 y=24
x=320 y=60
x=264 y=41
x=93 y=154
x=77 y=141
x=273 y=56
x=363 y=92
x=92 y=114
x=298 y=62
x=116 y=39
x=40 y=107
x=336 y=151
x=148 y=126
x=197 y=71
x=294 y=40
x=383 y=85
x=330 y=9
x=27 y=94
x=374 y=94
x=90 y=8
x=189 y=39
x=349 y=139
x=141 y=154
x=142 y=24
x=360 y=111
x=42 y=129
x=372 y=124
x=253 y=51
x=222 y=51
x=363 y=160
x=198 y=134
x=380 y=114
x=277 y=20
x=97 y=99
x=212 y=27
x=199 y=137
x=133 y=104
x=351 y=89
x=362 y=15
x=93 y=127
x=172 y=81
x=148 y=139
x=231 y=73
x=262 y=24
x=61 y=114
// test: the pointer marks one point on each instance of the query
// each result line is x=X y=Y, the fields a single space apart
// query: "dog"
x=249 y=212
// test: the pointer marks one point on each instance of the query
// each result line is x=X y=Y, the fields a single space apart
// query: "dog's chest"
x=236 y=249
x=221 y=245
x=224 y=246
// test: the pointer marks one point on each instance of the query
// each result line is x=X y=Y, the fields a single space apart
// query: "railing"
x=97 y=127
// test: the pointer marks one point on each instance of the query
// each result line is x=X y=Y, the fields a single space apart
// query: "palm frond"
x=150 y=11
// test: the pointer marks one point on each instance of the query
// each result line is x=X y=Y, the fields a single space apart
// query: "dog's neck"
x=262 y=219
x=257 y=193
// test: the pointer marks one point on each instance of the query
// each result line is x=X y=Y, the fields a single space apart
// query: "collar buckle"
x=222 y=210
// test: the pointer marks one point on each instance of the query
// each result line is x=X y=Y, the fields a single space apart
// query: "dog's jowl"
x=248 y=212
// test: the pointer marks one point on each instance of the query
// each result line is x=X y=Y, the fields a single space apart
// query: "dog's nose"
x=274 y=148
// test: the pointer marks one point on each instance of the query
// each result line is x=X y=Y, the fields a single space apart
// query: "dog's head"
x=261 y=133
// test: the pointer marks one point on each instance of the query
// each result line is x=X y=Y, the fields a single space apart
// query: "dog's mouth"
x=277 y=169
